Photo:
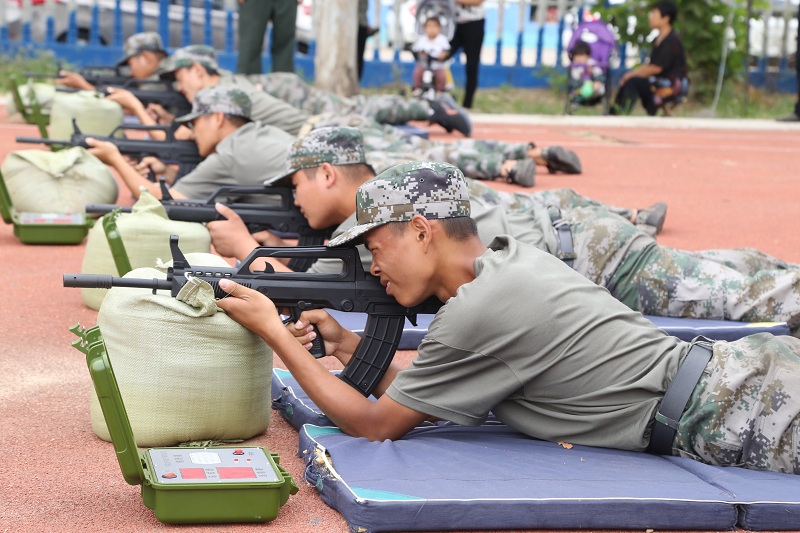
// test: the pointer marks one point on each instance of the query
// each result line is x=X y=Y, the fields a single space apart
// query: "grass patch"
x=24 y=61
x=551 y=101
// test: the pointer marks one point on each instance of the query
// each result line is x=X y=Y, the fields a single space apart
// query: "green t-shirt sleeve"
x=450 y=382
x=212 y=173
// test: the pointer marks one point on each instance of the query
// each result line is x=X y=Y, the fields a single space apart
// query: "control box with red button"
x=220 y=484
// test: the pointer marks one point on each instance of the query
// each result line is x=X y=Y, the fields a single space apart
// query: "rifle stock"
x=352 y=290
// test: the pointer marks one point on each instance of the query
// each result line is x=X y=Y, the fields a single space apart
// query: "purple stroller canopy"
x=599 y=36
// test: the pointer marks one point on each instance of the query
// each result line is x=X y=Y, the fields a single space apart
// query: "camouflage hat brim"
x=124 y=61
x=283 y=179
x=168 y=71
x=189 y=117
x=354 y=235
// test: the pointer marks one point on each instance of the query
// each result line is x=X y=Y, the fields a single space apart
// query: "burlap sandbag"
x=41 y=93
x=186 y=371
x=40 y=181
x=93 y=113
x=145 y=233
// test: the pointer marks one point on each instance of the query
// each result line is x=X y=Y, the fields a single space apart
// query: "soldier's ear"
x=329 y=174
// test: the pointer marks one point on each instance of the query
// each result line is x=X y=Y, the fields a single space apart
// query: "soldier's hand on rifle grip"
x=315 y=343
x=337 y=341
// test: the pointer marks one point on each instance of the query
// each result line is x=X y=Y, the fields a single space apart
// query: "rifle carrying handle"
x=374 y=353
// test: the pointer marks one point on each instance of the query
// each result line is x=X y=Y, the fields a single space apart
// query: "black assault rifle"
x=170 y=99
x=283 y=217
x=352 y=290
x=118 y=76
x=184 y=153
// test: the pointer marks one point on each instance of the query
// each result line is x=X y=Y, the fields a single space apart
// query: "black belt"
x=677 y=396
x=566 y=249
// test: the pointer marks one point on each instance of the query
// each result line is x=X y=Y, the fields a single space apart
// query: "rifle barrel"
x=104 y=281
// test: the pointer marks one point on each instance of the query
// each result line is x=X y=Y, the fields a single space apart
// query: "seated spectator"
x=664 y=76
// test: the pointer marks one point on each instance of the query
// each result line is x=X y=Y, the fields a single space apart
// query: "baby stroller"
x=445 y=11
x=603 y=46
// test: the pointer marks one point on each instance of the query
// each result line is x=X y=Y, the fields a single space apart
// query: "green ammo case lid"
x=105 y=383
x=6 y=207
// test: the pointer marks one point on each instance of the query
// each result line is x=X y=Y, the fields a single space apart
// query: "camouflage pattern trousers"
x=387 y=146
x=563 y=199
x=745 y=409
x=383 y=108
x=741 y=284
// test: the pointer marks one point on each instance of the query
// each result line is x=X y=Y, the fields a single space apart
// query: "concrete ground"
x=728 y=184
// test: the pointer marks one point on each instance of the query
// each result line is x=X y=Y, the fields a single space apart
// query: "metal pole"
x=746 y=99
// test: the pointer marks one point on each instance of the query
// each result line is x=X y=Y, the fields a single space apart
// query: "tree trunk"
x=336 y=27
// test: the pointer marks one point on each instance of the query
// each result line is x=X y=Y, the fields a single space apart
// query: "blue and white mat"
x=449 y=477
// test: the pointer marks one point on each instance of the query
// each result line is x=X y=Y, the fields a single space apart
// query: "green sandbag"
x=39 y=181
x=186 y=370
x=93 y=113
x=145 y=234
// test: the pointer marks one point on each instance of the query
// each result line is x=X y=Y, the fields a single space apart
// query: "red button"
x=169 y=475
x=238 y=451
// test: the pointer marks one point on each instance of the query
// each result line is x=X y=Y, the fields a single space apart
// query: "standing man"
x=667 y=61
x=795 y=115
x=254 y=15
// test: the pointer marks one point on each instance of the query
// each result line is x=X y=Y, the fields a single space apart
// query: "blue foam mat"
x=449 y=477
x=683 y=328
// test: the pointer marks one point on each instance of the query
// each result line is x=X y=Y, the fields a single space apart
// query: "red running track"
x=725 y=188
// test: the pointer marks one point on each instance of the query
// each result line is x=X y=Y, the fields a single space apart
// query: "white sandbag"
x=93 y=113
x=186 y=371
x=40 y=181
x=145 y=233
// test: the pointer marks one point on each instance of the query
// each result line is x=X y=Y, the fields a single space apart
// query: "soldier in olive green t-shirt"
x=524 y=336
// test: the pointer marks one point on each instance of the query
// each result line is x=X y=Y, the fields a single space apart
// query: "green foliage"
x=26 y=60
x=702 y=28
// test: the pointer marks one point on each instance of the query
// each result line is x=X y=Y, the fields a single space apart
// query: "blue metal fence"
x=524 y=39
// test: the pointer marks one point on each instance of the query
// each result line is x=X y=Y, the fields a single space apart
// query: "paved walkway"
x=726 y=187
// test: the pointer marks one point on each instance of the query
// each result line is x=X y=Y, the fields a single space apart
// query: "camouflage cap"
x=141 y=42
x=187 y=56
x=335 y=145
x=433 y=190
x=219 y=98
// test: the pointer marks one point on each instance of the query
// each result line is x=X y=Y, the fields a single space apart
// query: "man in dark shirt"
x=664 y=75
x=794 y=116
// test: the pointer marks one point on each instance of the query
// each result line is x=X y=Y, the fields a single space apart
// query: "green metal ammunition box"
x=43 y=228
x=182 y=485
